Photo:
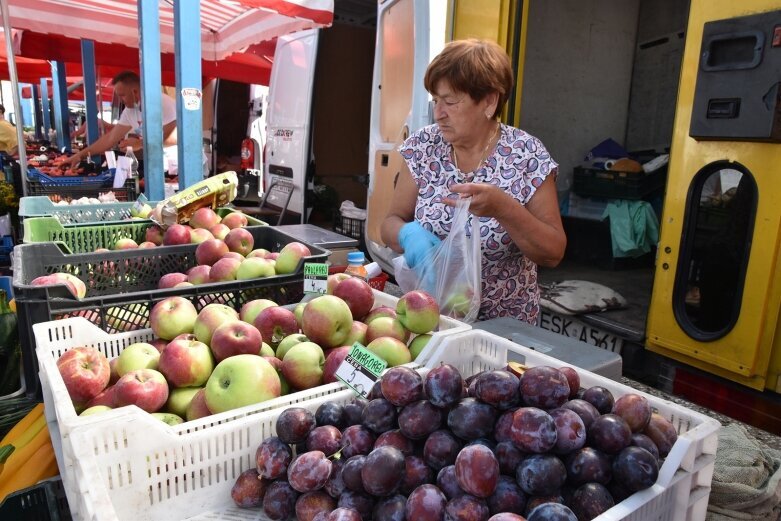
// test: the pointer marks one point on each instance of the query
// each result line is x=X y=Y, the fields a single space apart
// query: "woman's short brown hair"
x=476 y=67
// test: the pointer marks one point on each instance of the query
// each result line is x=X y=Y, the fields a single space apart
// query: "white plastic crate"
x=56 y=337
x=683 y=487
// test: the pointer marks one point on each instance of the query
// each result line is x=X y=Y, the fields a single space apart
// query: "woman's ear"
x=491 y=102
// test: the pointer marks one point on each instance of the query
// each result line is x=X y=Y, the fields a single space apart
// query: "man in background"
x=8 y=141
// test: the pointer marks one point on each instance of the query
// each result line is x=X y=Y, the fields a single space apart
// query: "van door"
x=409 y=34
x=289 y=118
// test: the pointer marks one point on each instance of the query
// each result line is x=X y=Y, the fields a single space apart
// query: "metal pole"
x=151 y=96
x=60 y=98
x=9 y=50
x=189 y=121
x=38 y=113
x=88 y=75
x=45 y=108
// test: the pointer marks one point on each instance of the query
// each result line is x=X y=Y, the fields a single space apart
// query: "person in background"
x=507 y=173
x=9 y=143
x=127 y=131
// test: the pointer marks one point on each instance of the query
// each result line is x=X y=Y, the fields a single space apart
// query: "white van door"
x=409 y=34
x=288 y=121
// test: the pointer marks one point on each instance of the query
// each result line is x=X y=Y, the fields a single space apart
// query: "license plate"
x=573 y=328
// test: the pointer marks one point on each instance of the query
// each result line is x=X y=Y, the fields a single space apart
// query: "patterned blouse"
x=518 y=164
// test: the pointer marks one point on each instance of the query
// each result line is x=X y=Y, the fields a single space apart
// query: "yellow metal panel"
x=744 y=354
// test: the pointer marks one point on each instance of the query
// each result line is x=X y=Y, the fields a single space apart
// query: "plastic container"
x=75 y=187
x=355 y=267
x=44 y=501
x=122 y=286
x=41 y=206
x=150 y=471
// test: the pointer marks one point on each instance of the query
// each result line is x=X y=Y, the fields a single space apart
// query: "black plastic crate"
x=349 y=226
x=122 y=286
x=44 y=501
x=614 y=184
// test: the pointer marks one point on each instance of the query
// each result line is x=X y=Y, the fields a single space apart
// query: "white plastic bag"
x=452 y=273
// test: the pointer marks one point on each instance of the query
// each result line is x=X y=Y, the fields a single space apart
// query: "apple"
x=458 y=304
x=303 y=364
x=386 y=326
x=144 y=210
x=239 y=381
x=176 y=234
x=255 y=267
x=379 y=311
x=185 y=336
x=418 y=344
x=154 y=234
x=252 y=309
x=172 y=316
x=274 y=255
x=333 y=281
x=334 y=359
x=125 y=243
x=220 y=231
x=327 y=320
x=105 y=397
x=48 y=280
x=210 y=318
x=199 y=235
x=204 y=218
x=358 y=295
x=114 y=375
x=139 y=355
x=235 y=220
x=275 y=323
x=95 y=409
x=197 y=407
x=235 y=338
x=390 y=349
x=210 y=251
x=159 y=344
x=233 y=255
x=186 y=363
x=418 y=311
x=168 y=418
x=199 y=274
x=276 y=363
x=288 y=342
x=179 y=399
x=147 y=244
x=73 y=280
x=169 y=280
x=224 y=270
x=357 y=333
x=240 y=240
x=290 y=256
x=85 y=371
x=184 y=284
x=266 y=350
x=298 y=311
x=258 y=252
x=145 y=388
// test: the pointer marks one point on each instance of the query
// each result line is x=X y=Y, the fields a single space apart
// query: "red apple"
x=169 y=280
x=327 y=321
x=199 y=235
x=235 y=220
x=114 y=374
x=357 y=334
x=357 y=294
x=333 y=281
x=197 y=407
x=386 y=326
x=199 y=274
x=303 y=364
x=274 y=255
x=186 y=363
x=85 y=371
x=210 y=251
x=125 y=243
x=224 y=270
x=145 y=388
x=276 y=363
x=105 y=397
x=220 y=231
x=172 y=316
x=49 y=280
x=418 y=311
x=379 y=311
x=159 y=344
x=239 y=381
x=154 y=234
x=204 y=218
x=258 y=252
x=250 y=310
x=335 y=357
x=290 y=256
x=240 y=240
x=72 y=280
x=210 y=318
x=176 y=234
x=275 y=323
x=392 y=350
x=235 y=338
x=147 y=244
x=234 y=255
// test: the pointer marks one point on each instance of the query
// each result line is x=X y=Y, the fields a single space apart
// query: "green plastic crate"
x=87 y=237
x=42 y=206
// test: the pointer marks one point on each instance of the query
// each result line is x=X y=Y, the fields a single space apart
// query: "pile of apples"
x=74 y=284
x=218 y=359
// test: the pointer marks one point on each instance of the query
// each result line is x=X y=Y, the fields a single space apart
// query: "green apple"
x=137 y=356
x=179 y=398
x=390 y=349
x=298 y=311
x=266 y=350
x=288 y=342
x=95 y=409
x=210 y=318
x=418 y=311
x=167 y=417
x=239 y=381
x=327 y=321
x=255 y=268
x=303 y=365
x=418 y=344
x=250 y=310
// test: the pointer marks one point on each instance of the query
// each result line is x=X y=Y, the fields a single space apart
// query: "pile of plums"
x=511 y=444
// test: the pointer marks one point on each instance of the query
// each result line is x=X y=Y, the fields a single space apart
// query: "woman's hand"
x=486 y=200
x=134 y=142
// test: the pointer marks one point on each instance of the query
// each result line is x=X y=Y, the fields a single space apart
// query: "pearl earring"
x=488 y=115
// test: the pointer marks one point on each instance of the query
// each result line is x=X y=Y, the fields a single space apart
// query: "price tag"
x=315 y=278
x=124 y=166
x=360 y=369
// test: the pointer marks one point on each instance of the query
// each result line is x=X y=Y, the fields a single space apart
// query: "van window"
x=715 y=247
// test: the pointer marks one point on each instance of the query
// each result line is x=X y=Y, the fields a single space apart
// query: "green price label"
x=315 y=269
x=315 y=278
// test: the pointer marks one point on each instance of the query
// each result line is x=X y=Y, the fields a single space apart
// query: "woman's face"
x=457 y=115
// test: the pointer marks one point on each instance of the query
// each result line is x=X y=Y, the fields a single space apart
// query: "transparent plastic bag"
x=452 y=273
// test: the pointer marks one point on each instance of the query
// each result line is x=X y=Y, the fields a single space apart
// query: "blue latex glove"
x=417 y=243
